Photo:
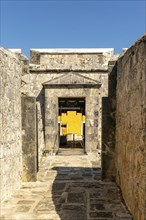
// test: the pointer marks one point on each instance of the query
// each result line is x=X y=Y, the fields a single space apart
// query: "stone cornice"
x=36 y=68
x=72 y=80
x=73 y=50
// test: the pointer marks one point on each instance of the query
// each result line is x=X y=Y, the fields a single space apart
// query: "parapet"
x=70 y=59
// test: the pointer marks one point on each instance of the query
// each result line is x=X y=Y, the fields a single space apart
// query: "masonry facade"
x=113 y=88
x=68 y=73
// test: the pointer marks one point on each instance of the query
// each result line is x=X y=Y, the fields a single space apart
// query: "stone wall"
x=10 y=123
x=131 y=128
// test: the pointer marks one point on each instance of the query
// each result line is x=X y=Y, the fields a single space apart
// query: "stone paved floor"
x=68 y=188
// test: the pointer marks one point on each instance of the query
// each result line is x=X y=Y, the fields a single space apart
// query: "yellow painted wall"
x=73 y=122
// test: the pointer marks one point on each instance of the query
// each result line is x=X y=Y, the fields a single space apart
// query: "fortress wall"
x=131 y=128
x=10 y=123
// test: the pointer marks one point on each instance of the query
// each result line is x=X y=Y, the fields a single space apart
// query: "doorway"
x=71 y=122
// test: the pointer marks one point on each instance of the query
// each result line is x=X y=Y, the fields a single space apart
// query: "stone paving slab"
x=68 y=188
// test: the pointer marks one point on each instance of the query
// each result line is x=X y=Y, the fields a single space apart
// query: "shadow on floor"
x=65 y=192
x=70 y=191
x=79 y=194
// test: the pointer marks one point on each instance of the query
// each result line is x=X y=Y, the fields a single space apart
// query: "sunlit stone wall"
x=10 y=123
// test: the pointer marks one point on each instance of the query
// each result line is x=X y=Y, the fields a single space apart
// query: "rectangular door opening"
x=71 y=123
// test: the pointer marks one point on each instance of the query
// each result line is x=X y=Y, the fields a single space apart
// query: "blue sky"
x=71 y=24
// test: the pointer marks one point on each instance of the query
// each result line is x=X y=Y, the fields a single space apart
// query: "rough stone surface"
x=131 y=128
x=109 y=125
x=67 y=198
x=10 y=123
x=29 y=145
x=71 y=60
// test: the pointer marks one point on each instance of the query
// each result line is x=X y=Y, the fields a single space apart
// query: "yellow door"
x=71 y=122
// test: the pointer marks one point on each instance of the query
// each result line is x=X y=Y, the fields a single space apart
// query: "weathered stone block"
x=29 y=147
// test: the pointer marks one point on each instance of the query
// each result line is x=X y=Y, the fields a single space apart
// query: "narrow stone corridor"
x=67 y=188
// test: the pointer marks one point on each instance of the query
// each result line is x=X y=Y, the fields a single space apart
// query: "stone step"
x=70 y=151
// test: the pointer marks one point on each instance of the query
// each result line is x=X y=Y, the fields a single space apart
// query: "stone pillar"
x=92 y=117
x=109 y=125
x=29 y=149
x=51 y=121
